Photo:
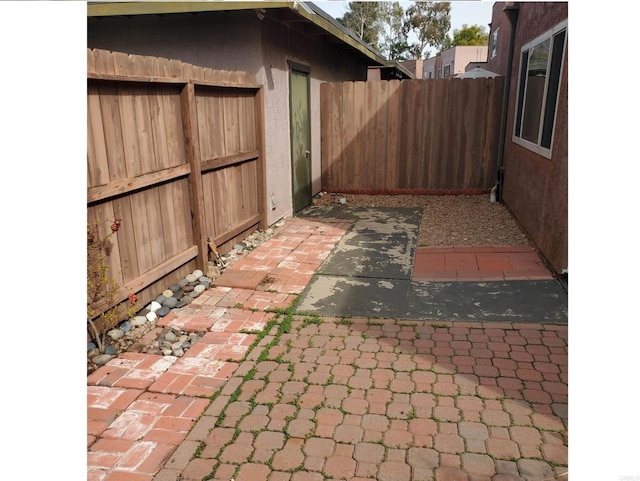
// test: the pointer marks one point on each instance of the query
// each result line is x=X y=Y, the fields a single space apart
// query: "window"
x=494 y=43
x=538 y=86
x=430 y=74
x=447 y=71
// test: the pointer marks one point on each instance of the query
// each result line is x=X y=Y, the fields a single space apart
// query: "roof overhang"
x=304 y=15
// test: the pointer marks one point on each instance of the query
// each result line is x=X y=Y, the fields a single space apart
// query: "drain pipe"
x=512 y=13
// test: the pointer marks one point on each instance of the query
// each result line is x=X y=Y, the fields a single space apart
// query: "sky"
x=462 y=12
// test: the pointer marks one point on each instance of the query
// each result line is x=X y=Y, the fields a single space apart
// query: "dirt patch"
x=448 y=219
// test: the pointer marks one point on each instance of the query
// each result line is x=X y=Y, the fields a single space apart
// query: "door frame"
x=305 y=70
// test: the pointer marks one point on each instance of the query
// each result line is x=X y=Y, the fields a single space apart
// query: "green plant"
x=102 y=286
x=344 y=322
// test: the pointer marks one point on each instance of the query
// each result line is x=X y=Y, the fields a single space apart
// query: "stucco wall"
x=468 y=53
x=240 y=41
x=535 y=187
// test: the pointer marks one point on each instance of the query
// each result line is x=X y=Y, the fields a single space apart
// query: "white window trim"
x=538 y=149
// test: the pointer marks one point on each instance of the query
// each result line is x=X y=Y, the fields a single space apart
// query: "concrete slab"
x=543 y=301
x=381 y=243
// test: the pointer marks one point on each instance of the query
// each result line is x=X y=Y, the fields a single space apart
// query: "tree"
x=364 y=19
x=470 y=35
x=394 y=31
x=431 y=22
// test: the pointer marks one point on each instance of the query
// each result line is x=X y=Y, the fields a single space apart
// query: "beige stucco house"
x=453 y=61
x=283 y=44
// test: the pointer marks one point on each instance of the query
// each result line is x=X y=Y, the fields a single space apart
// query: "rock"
x=269 y=231
x=199 y=289
x=154 y=306
x=174 y=288
x=181 y=303
x=206 y=284
x=203 y=279
x=342 y=200
x=187 y=288
x=101 y=359
x=194 y=294
x=170 y=302
x=110 y=350
x=125 y=326
x=178 y=352
x=238 y=247
x=115 y=334
x=151 y=317
x=93 y=352
x=160 y=299
x=91 y=346
x=138 y=321
x=166 y=351
x=167 y=293
x=176 y=345
x=191 y=278
x=178 y=294
x=170 y=336
x=197 y=273
x=183 y=282
x=163 y=311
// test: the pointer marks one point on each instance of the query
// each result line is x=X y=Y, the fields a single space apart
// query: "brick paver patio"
x=270 y=395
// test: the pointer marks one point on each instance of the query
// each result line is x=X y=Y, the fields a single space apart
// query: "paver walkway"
x=269 y=394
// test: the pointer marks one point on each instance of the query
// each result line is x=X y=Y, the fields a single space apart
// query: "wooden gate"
x=422 y=136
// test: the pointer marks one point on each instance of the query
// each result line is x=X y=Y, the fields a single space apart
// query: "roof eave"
x=309 y=12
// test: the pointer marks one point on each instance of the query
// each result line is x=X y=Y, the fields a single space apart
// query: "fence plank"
x=336 y=135
x=114 y=142
x=130 y=143
x=369 y=129
x=231 y=131
x=381 y=131
x=98 y=164
x=391 y=176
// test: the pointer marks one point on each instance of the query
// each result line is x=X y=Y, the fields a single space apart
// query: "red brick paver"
x=478 y=263
x=359 y=400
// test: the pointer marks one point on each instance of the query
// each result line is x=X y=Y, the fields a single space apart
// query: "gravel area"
x=449 y=219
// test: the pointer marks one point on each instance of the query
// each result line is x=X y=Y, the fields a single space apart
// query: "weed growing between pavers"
x=284 y=327
x=283 y=346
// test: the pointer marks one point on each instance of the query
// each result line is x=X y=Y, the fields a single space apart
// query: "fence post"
x=192 y=150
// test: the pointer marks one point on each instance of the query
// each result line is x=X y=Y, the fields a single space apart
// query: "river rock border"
x=133 y=334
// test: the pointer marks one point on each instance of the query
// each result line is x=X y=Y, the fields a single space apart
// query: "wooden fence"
x=422 y=136
x=176 y=152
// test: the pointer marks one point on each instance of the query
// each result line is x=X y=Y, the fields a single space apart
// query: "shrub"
x=102 y=286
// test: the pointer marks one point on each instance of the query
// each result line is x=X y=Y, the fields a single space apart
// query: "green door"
x=300 y=137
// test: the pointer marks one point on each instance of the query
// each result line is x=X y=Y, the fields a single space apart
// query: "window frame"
x=521 y=91
x=444 y=72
